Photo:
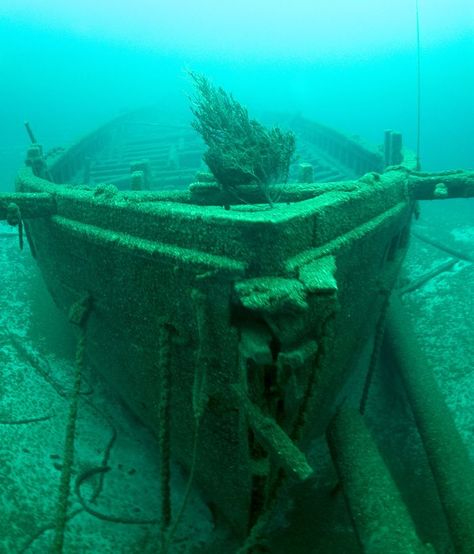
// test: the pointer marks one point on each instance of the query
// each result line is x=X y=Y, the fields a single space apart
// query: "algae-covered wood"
x=257 y=269
x=266 y=310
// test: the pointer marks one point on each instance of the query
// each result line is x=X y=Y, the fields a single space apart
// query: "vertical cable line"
x=418 y=86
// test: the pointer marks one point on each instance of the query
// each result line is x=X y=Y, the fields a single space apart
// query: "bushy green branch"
x=241 y=151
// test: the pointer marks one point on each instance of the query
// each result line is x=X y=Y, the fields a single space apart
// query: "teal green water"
x=351 y=65
x=68 y=69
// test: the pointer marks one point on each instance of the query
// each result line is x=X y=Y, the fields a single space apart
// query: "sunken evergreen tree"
x=240 y=151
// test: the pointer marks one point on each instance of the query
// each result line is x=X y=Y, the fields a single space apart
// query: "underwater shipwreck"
x=240 y=308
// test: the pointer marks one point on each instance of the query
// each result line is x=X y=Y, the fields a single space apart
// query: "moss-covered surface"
x=309 y=273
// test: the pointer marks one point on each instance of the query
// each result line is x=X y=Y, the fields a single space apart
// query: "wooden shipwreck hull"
x=252 y=318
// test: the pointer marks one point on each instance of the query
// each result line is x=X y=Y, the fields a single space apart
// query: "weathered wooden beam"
x=381 y=519
x=274 y=439
x=393 y=148
x=440 y=186
x=417 y=283
x=443 y=247
x=209 y=193
x=449 y=460
x=31 y=204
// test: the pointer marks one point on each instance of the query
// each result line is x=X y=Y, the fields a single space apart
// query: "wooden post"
x=30 y=132
x=387 y=149
x=142 y=166
x=137 y=180
x=396 y=155
x=392 y=148
x=87 y=169
x=305 y=173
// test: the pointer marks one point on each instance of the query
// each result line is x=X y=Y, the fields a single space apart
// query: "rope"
x=187 y=492
x=199 y=399
x=376 y=348
x=164 y=438
x=41 y=365
x=418 y=87
x=100 y=515
x=73 y=514
x=79 y=315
